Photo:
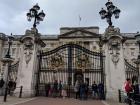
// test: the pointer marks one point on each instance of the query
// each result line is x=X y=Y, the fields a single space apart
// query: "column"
x=114 y=62
x=28 y=65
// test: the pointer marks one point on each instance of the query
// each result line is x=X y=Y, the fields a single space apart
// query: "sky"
x=65 y=13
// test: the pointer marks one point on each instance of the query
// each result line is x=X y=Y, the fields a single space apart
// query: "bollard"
x=20 y=94
x=5 y=94
x=120 y=99
x=129 y=101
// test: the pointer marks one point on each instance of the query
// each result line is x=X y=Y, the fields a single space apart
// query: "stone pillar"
x=31 y=45
x=114 y=62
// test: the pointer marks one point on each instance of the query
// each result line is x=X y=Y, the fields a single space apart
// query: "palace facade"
x=87 y=37
x=77 y=52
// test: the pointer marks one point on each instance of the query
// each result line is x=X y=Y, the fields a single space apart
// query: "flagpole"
x=79 y=20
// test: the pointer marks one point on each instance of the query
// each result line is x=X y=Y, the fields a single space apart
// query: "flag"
x=80 y=18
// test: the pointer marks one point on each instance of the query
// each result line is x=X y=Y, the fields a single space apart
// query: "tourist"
x=10 y=86
x=60 y=88
x=47 y=88
x=86 y=89
x=1 y=83
x=76 y=89
x=64 y=92
x=135 y=95
x=101 y=91
x=55 y=89
x=136 y=87
x=128 y=87
x=51 y=89
x=94 y=90
x=82 y=90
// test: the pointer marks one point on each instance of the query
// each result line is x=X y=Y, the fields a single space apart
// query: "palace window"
x=86 y=43
x=132 y=49
x=5 y=52
x=13 y=52
x=133 y=59
x=52 y=44
x=127 y=44
x=94 y=48
x=132 y=54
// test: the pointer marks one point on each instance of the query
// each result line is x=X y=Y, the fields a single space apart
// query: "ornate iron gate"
x=66 y=63
x=131 y=71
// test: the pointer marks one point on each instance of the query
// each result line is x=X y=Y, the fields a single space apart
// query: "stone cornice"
x=91 y=34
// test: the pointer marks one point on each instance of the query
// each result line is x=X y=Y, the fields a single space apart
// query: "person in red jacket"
x=128 y=87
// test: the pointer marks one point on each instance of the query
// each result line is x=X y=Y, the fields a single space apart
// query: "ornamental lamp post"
x=111 y=10
x=34 y=13
x=10 y=38
x=7 y=59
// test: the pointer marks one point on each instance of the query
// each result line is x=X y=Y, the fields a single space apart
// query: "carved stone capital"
x=31 y=32
x=112 y=31
x=28 y=46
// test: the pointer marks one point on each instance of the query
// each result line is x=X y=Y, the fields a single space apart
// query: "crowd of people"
x=98 y=91
x=56 y=89
x=81 y=89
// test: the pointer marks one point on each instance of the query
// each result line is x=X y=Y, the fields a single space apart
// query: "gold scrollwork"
x=56 y=61
x=82 y=61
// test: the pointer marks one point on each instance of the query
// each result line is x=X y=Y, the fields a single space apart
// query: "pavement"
x=113 y=102
x=55 y=101
x=11 y=100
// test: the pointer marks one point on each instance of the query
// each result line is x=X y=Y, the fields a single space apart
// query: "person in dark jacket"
x=10 y=84
x=101 y=91
x=77 y=89
x=55 y=88
x=1 y=83
x=135 y=94
x=86 y=89
x=47 y=88
x=60 y=88
x=94 y=90
x=82 y=90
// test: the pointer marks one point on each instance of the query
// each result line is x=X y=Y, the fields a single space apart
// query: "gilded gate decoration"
x=56 y=61
x=82 y=61
x=66 y=63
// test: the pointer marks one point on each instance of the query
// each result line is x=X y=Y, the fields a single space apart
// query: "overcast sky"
x=65 y=13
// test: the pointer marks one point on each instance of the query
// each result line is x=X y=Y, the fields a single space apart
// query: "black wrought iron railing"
x=131 y=71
